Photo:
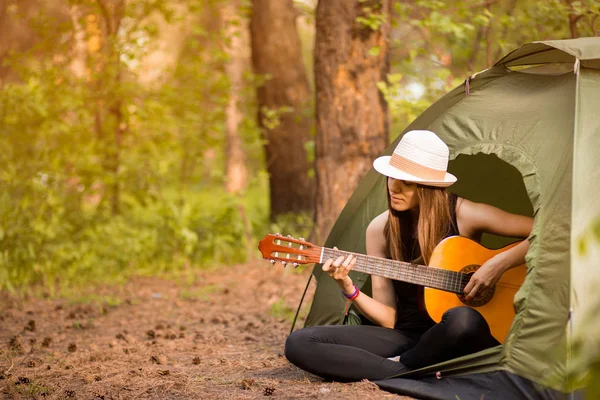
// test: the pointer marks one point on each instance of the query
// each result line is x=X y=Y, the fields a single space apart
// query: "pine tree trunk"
x=4 y=39
x=79 y=63
x=276 y=55
x=237 y=175
x=110 y=119
x=236 y=163
x=352 y=120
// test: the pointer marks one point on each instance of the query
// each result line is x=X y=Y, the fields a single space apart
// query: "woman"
x=421 y=213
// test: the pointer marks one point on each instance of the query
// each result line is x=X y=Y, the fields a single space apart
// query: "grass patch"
x=202 y=293
x=280 y=310
x=33 y=389
x=91 y=298
x=171 y=237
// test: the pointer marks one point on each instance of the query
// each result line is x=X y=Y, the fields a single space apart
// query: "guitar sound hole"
x=479 y=299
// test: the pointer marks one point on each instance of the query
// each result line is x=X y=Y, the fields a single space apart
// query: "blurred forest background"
x=153 y=136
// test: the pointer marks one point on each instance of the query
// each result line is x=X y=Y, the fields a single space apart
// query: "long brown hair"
x=432 y=225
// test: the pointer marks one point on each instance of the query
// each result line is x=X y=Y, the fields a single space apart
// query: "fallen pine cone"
x=269 y=391
x=247 y=383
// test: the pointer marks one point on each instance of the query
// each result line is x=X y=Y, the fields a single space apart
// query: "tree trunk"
x=4 y=42
x=80 y=49
x=488 y=42
x=284 y=102
x=104 y=58
x=573 y=19
x=237 y=175
x=352 y=120
x=18 y=35
x=236 y=162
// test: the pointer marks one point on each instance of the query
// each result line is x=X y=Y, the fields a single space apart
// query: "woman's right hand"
x=338 y=269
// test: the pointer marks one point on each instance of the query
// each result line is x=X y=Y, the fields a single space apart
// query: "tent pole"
x=301 y=301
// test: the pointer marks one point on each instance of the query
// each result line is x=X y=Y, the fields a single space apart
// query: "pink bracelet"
x=353 y=295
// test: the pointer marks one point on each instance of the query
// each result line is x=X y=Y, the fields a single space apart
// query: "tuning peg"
x=290 y=236
x=284 y=263
x=278 y=234
x=301 y=239
x=272 y=261
x=296 y=264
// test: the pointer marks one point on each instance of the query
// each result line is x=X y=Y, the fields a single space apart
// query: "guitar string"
x=434 y=277
x=453 y=281
x=447 y=280
x=443 y=279
x=417 y=275
x=450 y=281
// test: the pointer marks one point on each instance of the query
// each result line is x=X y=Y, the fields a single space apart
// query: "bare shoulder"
x=473 y=211
x=465 y=206
x=375 y=236
x=377 y=224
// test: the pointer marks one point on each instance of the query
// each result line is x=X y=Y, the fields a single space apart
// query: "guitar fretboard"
x=438 y=278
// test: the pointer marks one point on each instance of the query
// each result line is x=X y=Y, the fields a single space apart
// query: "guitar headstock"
x=287 y=249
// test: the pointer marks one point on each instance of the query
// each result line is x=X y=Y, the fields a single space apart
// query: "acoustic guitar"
x=453 y=261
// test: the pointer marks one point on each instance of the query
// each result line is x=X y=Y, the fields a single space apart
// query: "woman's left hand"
x=484 y=278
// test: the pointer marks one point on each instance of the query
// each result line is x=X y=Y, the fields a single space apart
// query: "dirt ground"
x=210 y=335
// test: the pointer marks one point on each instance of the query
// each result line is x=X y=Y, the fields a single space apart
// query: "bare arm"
x=475 y=218
x=381 y=308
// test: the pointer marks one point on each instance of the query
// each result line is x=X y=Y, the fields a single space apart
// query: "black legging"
x=354 y=352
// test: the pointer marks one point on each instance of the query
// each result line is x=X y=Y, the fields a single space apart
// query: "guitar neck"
x=438 y=278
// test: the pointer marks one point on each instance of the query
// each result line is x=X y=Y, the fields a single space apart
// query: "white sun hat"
x=421 y=157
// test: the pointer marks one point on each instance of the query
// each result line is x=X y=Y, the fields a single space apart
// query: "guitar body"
x=461 y=254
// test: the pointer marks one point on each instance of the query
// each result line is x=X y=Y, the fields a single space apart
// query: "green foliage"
x=281 y=311
x=372 y=16
x=584 y=369
x=33 y=389
x=202 y=293
x=104 y=176
x=374 y=51
x=443 y=42
x=159 y=236
x=64 y=165
x=590 y=237
x=271 y=117
x=403 y=107
x=296 y=225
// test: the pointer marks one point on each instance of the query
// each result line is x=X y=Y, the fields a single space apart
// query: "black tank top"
x=411 y=317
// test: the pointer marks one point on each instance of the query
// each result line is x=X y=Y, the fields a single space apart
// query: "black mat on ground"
x=497 y=385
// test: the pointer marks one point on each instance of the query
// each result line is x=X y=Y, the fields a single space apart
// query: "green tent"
x=524 y=135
